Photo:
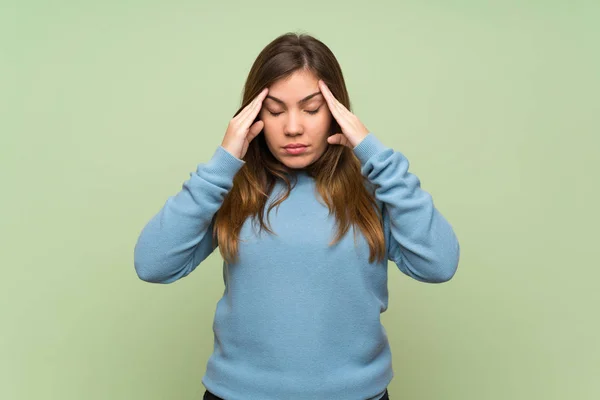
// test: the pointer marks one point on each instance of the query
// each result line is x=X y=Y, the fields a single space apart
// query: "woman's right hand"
x=241 y=131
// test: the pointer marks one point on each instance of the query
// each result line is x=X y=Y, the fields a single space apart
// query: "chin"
x=296 y=164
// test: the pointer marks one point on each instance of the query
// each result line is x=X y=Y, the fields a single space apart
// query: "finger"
x=339 y=106
x=338 y=138
x=255 y=130
x=256 y=107
x=342 y=108
x=328 y=95
x=345 y=118
x=252 y=105
x=259 y=97
x=330 y=99
x=250 y=108
x=247 y=117
x=340 y=113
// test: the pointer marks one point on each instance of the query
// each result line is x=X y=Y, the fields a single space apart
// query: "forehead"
x=295 y=87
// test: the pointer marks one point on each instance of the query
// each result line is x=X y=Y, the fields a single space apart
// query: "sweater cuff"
x=368 y=147
x=225 y=162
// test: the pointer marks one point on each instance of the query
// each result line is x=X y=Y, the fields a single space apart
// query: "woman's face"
x=295 y=112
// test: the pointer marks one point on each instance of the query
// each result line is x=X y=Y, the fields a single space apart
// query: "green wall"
x=106 y=107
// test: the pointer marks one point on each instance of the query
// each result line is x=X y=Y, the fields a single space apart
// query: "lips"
x=295 y=150
x=294 y=146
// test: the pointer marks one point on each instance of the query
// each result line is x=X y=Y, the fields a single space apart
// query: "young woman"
x=300 y=314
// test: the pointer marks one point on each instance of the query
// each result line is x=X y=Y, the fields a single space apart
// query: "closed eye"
x=311 y=112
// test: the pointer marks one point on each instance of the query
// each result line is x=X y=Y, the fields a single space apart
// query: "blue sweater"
x=298 y=319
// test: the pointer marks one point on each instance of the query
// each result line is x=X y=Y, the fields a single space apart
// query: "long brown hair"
x=337 y=172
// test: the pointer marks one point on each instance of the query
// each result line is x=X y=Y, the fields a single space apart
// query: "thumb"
x=255 y=130
x=338 y=138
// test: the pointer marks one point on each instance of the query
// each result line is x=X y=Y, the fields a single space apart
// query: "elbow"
x=446 y=274
x=450 y=265
x=146 y=273
x=442 y=274
x=438 y=272
x=147 y=269
x=440 y=269
x=147 y=265
x=143 y=268
x=155 y=271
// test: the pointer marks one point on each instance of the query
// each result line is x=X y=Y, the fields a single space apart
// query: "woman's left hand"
x=353 y=131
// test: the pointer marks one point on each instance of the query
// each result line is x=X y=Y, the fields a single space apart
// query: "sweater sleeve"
x=179 y=237
x=418 y=238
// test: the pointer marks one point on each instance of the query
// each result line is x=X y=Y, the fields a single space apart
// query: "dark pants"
x=209 y=396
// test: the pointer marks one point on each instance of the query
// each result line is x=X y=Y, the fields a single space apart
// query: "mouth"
x=295 y=149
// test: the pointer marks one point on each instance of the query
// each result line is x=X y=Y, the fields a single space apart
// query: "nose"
x=293 y=124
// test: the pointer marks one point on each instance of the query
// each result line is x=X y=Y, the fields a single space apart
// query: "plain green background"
x=106 y=107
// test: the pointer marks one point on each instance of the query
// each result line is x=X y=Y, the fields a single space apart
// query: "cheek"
x=267 y=118
x=270 y=127
x=323 y=122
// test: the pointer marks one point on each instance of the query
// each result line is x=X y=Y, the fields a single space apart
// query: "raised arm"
x=419 y=239
x=179 y=237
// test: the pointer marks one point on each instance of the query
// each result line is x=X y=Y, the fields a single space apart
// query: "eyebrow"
x=304 y=100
